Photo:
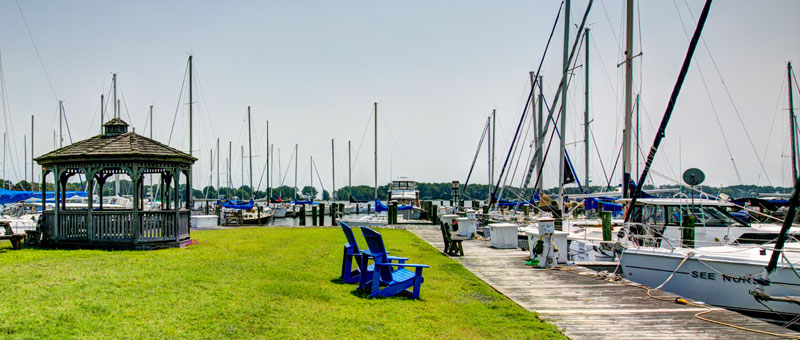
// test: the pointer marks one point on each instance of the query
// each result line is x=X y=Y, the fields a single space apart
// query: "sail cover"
x=11 y=196
x=379 y=207
x=241 y=205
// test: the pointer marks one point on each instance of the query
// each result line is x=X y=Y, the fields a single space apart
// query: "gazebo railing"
x=116 y=226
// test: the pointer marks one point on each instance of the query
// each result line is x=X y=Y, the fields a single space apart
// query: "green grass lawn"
x=269 y=283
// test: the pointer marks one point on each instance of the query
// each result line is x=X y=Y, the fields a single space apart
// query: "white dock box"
x=504 y=235
x=204 y=221
x=467 y=226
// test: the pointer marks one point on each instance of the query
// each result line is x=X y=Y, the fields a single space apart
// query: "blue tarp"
x=11 y=196
x=296 y=202
x=241 y=205
x=742 y=215
x=592 y=203
x=379 y=207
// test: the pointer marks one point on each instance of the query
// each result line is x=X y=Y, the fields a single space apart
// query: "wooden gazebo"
x=118 y=151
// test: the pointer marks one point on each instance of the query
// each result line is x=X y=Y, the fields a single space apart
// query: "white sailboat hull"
x=720 y=276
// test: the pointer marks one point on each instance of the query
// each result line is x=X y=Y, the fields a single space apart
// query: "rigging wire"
x=759 y=157
x=36 y=48
x=178 y=105
x=547 y=46
x=477 y=151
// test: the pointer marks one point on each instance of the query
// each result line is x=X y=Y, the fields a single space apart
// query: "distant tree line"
x=427 y=191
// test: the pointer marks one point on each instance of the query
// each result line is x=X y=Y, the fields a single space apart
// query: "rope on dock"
x=605 y=276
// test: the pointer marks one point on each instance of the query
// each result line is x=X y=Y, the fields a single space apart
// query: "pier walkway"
x=584 y=307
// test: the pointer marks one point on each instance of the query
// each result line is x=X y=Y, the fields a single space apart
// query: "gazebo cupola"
x=114 y=127
x=129 y=223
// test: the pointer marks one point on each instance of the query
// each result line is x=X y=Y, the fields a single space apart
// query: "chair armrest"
x=371 y=254
x=404 y=265
x=395 y=258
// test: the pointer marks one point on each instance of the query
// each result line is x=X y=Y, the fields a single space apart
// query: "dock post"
x=334 y=207
x=394 y=212
x=302 y=215
x=435 y=214
x=525 y=209
x=321 y=214
x=486 y=209
x=606 y=217
x=688 y=231
x=259 y=214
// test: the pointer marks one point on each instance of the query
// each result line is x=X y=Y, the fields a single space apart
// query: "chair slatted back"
x=376 y=247
x=351 y=239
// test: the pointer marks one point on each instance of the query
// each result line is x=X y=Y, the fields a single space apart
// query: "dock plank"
x=584 y=307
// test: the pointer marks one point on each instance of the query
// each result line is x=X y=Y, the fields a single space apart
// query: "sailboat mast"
x=116 y=115
x=151 y=121
x=5 y=179
x=333 y=172
x=230 y=162
x=376 y=150
x=638 y=134
x=190 y=105
x=586 y=113
x=114 y=83
x=242 y=167
x=60 y=124
x=792 y=121
x=489 y=157
x=349 y=168
x=102 y=113
x=151 y=137
x=536 y=122
x=218 y=168
x=562 y=145
x=296 y=156
x=494 y=144
x=268 y=169
x=32 y=173
x=626 y=135
x=250 y=147
x=539 y=161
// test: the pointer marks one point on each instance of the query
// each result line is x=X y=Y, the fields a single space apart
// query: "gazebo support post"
x=134 y=174
x=90 y=172
x=176 y=178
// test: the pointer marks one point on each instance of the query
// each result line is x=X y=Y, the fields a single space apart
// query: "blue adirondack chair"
x=393 y=280
x=351 y=254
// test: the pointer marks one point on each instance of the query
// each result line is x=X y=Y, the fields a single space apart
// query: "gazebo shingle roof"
x=126 y=146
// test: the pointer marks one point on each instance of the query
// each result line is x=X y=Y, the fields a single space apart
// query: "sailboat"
x=374 y=220
x=758 y=280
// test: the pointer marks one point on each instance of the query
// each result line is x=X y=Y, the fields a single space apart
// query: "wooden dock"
x=584 y=307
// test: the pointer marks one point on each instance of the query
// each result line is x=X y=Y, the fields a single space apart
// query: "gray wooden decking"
x=587 y=308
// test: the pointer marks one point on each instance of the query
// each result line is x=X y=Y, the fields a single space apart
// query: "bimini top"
x=678 y=201
x=116 y=144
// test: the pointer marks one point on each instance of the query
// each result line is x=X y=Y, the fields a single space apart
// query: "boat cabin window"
x=673 y=215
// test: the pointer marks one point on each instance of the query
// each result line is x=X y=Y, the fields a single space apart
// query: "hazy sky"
x=436 y=68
